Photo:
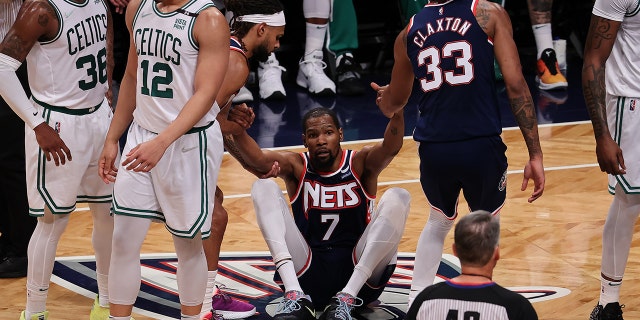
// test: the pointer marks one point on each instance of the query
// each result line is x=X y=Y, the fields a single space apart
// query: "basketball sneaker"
x=98 y=312
x=549 y=76
x=212 y=315
x=230 y=308
x=348 y=74
x=311 y=75
x=270 y=79
x=340 y=307
x=612 y=311
x=295 y=306
x=44 y=315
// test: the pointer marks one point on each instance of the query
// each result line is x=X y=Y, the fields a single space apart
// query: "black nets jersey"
x=331 y=209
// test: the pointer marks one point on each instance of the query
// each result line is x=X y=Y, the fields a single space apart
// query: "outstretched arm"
x=36 y=19
x=257 y=159
x=600 y=40
x=519 y=95
x=371 y=160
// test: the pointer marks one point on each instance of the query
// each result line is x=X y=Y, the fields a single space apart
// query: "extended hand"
x=51 y=144
x=610 y=156
x=534 y=170
x=380 y=93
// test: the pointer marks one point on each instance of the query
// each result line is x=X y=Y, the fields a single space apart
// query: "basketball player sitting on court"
x=69 y=75
x=257 y=27
x=335 y=249
x=174 y=146
x=473 y=294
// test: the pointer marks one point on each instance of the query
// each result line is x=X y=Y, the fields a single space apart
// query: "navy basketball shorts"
x=329 y=272
x=478 y=167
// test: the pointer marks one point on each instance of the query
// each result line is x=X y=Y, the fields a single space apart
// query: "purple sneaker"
x=230 y=308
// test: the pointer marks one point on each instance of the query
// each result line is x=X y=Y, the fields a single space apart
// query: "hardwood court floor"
x=555 y=241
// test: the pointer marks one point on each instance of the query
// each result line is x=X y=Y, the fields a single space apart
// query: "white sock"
x=37 y=300
x=429 y=252
x=287 y=273
x=543 y=36
x=360 y=275
x=119 y=318
x=610 y=291
x=315 y=37
x=103 y=295
x=186 y=317
x=208 y=295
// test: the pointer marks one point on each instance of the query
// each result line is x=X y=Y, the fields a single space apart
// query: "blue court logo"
x=248 y=276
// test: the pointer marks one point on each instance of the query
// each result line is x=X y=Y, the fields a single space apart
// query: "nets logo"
x=248 y=276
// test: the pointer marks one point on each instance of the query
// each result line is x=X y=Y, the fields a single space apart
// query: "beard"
x=325 y=162
x=261 y=53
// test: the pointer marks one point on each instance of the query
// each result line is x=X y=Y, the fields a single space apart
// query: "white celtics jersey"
x=623 y=65
x=71 y=70
x=167 y=58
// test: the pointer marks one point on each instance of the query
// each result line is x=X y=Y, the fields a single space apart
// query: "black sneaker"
x=13 y=267
x=612 y=311
x=348 y=74
x=340 y=307
x=295 y=306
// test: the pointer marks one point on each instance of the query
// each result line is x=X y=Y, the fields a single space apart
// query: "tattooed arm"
x=496 y=23
x=600 y=40
x=36 y=20
x=230 y=146
x=540 y=11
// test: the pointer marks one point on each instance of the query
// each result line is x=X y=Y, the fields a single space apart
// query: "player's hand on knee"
x=51 y=144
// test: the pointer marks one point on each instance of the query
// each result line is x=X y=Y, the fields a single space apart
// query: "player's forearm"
x=12 y=92
x=525 y=115
x=250 y=152
x=394 y=134
x=126 y=104
x=594 y=91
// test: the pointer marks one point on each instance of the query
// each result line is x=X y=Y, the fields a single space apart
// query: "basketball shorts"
x=623 y=118
x=60 y=187
x=180 y=189
x=478 y=167
x=328 y=273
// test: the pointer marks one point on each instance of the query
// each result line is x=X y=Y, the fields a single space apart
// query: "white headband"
x=274 y=20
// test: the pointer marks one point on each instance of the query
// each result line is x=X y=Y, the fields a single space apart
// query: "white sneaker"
x=311 y=75
x=270 y=79
x=244 y=95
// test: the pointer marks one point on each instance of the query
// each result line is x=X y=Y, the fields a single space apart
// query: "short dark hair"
x=244 y=7
x=319 y=112
x=476 y=238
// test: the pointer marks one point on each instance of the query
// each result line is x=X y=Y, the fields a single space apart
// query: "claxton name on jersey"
x=453 y=24
x=158 y=43
x=329 y=196
x=87 y=32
